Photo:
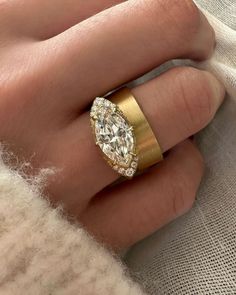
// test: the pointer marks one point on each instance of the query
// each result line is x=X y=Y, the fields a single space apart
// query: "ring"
x=123 y=133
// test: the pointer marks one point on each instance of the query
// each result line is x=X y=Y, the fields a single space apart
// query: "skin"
x=57 y=56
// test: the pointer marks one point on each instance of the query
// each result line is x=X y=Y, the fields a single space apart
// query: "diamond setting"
x=115 y=136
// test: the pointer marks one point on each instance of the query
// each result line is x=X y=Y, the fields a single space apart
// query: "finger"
x=177 y=104
x=129 y=212
x=45 y=19
x=122 y=43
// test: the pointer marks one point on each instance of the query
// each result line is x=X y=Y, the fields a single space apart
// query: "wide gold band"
x=147 y=147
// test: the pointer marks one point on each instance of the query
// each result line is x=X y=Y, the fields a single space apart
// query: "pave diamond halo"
x=115 y=136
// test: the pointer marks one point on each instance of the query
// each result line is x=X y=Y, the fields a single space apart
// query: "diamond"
x=114 y=135
x=116 y=167
x=98 y=101
x=134 y=165
x=130 y=172
x=121 y=170
x=107 y=103
x=94 y=110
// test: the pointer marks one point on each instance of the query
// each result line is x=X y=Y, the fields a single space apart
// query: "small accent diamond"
x=98 y=101
x=121 y=171
x=107 y=103
x=116 y=167
x=134 y=165
x=130 y=172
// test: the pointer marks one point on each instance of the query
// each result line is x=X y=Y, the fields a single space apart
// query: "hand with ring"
x=58 y=56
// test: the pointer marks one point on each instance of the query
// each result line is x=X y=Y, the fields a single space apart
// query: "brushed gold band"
x=148 y=149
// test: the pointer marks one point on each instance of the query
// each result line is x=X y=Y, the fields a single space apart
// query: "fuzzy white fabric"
x=41 y=253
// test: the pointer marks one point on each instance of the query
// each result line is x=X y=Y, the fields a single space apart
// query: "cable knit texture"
x=42 y=253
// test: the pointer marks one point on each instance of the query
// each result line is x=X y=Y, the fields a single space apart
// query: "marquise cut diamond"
x=114 y=136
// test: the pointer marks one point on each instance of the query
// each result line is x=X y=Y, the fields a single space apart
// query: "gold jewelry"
x=123 y=133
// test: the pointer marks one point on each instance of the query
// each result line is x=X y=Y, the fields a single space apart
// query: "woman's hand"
x=56 y=58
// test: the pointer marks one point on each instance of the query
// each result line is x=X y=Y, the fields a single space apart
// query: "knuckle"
x=196 y=97
x=188 y=13
x=182 y=12
x=188 y=9
x=185 y=14
x=183 y=19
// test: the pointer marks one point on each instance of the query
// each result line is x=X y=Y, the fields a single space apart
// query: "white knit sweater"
x=42 y=253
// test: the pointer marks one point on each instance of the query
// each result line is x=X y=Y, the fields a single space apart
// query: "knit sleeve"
x=42 y=253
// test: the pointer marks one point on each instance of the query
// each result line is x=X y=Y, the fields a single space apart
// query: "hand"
x=56 y=57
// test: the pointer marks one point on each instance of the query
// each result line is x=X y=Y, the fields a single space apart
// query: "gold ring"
x=123 y=133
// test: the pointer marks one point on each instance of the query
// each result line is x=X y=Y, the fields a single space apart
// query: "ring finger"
x=177 y=104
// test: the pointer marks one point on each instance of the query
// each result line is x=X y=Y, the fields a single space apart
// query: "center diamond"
x=115 y=137
x=113 y=133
